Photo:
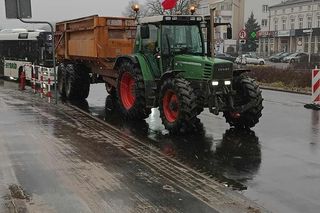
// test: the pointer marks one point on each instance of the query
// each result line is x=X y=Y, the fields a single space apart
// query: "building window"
x=318 y=21
x=275 y=12
x=283 y=11
x=309 y=7
x=300 y=8
x=265 y=8
x=275 y=25
x=300 y=23
x=292 y=10
x=284 y=24
x=292 y=25
x=309 y=22
x=264 y=22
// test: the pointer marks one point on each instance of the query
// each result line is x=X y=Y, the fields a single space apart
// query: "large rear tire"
x=62 y=80
x=131 y=92
x=178 y=105
x=77 y=84
x=247 y=91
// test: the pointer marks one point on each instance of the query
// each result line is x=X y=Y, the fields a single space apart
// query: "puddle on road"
x=233 y=159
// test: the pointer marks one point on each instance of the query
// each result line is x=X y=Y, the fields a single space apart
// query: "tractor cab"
x=164 y=37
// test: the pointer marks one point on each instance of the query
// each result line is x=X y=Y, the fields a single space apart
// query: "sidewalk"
x=65 y=161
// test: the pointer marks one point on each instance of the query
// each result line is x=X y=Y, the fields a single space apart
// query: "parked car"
x=278 y=57
x=249 y=59
x=226 y=56
x=296 y=58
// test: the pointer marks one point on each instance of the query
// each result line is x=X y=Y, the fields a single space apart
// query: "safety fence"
x=40 y=78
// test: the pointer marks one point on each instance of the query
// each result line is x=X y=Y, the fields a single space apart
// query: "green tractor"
x=170 y=70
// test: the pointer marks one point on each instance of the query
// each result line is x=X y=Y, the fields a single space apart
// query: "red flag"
x=168 y=4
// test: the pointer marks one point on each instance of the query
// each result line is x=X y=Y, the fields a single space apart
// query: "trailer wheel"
x=77 y=84
x=178 y=105
x=131 y=92
x=247 y=91
x=62 y=80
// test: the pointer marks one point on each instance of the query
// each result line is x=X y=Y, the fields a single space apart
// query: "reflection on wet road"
x=277 y=164
x=57 y=159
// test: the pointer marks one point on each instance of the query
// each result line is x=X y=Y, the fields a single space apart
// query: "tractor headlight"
x=168 y=18
x=227 y=83
x=215 y=83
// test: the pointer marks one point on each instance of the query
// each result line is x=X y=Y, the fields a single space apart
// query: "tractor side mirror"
x=229 y=32
x=145 y=32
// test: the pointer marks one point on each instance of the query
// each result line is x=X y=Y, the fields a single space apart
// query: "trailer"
x=161 y=62
x=90 y=45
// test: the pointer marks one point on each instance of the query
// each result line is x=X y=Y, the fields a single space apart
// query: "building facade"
x=228 y=11
x=294 y=26
x=260 y=10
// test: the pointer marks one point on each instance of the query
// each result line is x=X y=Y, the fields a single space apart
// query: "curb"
x=284 y=90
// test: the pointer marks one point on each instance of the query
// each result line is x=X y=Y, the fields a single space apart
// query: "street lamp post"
x=311 y=32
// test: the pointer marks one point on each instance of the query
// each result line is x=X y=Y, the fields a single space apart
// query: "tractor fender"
x=170 y=74
x=138 y=60
x=122 y=59
x=147 y=74
x=237 y=72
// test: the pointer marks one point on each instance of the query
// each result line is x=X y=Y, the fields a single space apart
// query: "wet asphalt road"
x=57 y=159
x=277 y=164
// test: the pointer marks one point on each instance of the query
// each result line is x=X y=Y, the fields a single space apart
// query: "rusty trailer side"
x=96 y=42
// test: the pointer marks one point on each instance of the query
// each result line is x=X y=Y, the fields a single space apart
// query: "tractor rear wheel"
x=131 y=92
x=178 y=105
x=77 y=84
x=247 y=91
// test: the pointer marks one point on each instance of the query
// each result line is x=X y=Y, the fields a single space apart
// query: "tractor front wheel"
x=178 y=105
x=131 y=92
x=247 y=91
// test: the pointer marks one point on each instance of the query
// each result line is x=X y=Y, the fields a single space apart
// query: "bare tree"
x=154 y=7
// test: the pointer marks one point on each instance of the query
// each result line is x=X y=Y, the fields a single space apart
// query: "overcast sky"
x=58 y=10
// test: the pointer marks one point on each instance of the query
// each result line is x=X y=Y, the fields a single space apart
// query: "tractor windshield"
x=182 y=39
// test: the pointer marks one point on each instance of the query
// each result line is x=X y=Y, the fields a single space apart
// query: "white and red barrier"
x=316 y=86
x=41 y=81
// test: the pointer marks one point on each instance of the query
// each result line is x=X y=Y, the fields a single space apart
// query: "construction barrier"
x=41 y=81
x=315 y=102
x=22 y=80
x=316 y=86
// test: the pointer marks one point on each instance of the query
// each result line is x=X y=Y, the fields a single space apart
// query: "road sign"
x=16 y=9
x=242 y=34
x=253 y=35
x=242 y=41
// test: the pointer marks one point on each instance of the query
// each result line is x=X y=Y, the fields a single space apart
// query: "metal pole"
x=311 y=31
x=53 y=53
x=212 y=39
x=269 y=34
